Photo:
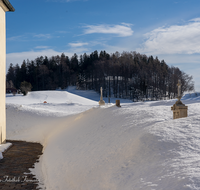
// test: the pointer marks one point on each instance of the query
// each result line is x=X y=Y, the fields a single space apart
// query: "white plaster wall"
x=2 y=75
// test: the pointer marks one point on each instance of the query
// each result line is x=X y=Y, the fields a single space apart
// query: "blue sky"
x=169 y=29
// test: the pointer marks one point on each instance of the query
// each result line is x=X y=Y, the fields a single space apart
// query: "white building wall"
x=2 y=74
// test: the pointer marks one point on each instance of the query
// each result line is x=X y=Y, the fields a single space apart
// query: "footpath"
x=14 y=167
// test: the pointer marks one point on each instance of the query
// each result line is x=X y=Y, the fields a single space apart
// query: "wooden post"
x=101 y=102
x=118 y=103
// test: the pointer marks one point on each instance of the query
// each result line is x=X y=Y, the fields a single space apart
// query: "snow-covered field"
x=87 y=147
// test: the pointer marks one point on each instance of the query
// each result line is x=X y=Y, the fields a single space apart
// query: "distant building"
x=4 y=7
x=11 y=90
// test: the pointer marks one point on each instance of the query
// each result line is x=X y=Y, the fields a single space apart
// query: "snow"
x=4 y=147
x=58 y=103
x=137 y=146
x=92 y=95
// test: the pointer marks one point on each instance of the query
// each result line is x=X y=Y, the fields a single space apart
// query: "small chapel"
x=5 y=6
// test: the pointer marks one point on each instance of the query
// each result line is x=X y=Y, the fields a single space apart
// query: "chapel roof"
x=8 y=5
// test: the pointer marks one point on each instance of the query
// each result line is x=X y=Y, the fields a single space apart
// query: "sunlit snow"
x=87 y=147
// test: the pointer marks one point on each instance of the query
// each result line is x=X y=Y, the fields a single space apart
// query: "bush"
x=25 y=87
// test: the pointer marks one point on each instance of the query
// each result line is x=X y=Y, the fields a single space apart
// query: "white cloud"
x=195 y=19
x=30 y=37
x=123 y=30
x=175 y=39
x=41 y=47
x=62 y=32
x=15 y=38
x=78 y=44
x=127 y=24
x=45 y=36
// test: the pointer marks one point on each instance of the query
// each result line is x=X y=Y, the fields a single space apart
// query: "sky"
x=168 y=29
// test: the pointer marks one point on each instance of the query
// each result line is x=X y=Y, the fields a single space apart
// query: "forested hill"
x=126 y=75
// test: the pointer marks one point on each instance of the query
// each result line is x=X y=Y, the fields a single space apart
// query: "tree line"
x=122 y=75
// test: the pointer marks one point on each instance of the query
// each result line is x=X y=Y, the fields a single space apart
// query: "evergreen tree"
x=11 y=73
x=125 y=75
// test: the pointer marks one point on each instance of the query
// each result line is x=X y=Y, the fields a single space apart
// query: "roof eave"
x=8 y=5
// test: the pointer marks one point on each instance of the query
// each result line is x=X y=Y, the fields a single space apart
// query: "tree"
x=11 y=73
x=126 y=75
x=9 y=84
x=23 y=71
x=25 y=87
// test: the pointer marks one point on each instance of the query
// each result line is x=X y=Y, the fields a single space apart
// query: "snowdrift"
x=59 y=103
x=137 y=146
